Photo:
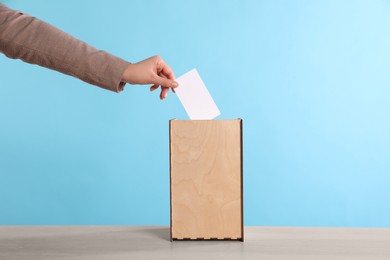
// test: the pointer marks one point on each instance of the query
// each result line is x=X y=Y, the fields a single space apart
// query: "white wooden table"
x=152 y=242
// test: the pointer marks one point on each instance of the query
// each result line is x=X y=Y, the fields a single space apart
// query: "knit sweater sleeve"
x=34 y=41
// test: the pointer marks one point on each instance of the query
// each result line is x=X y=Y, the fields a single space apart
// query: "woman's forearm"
x=34 y=41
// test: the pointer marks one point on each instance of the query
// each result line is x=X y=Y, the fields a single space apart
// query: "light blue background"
x=309 y=78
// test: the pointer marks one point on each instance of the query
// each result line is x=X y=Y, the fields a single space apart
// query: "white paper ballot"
x=195 y=97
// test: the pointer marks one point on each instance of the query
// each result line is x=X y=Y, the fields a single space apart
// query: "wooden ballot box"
x=206 y=180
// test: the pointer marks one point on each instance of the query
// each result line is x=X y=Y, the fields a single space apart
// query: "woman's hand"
x=151 y=71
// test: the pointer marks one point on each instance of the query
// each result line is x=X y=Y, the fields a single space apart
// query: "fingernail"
x=165 y=95
x=174 y=84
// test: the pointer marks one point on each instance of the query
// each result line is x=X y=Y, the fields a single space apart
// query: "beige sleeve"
x=34 y=41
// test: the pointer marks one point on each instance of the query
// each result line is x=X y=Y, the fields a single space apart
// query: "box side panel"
x=242 y=178
x=206 y=179
x=170 y=180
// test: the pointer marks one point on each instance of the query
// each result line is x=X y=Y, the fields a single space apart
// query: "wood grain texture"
x=206 y=179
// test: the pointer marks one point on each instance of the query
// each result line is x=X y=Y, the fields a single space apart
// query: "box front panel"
x=206 y=179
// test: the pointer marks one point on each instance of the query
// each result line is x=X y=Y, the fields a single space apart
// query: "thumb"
x=168 y=83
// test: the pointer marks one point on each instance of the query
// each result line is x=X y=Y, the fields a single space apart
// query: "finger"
x=165 y=70
x=172 y=87
x=154 y=87
x=173 y=90
x=164 y=93
x=168 y=83
x=168 y=72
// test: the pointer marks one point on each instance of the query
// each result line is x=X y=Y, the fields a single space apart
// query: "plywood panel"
x=206 y=179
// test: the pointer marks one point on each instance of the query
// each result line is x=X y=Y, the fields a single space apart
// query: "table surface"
x=152 y=242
